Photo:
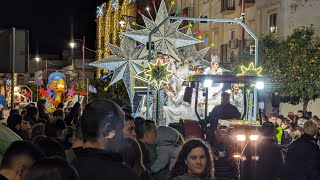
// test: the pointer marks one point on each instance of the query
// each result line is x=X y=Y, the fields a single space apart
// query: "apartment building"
x=261 y=16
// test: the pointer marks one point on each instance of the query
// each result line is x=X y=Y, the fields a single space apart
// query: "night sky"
x=50 y=22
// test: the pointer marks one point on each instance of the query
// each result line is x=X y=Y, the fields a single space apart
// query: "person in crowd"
x=32 y=115
x=60 y=106
x=14 y=122
x=168 y=143
x=61 y=132
x=128 y=129
x=132 y=156
x=279 y=129
x=38 y=130
x=19 y=156
x=73 y=115
x=70 y=133
x=303 y=156
x=287 y=135
x=290 y=116
x=15 y=111
x=300 y=114
x=58 y=113
x=102 y=121
x=146 y=136
x=50 y=147
x=223 y=111
x=51 y=169
x=76 y=145
x=262 y=159
x=194 y=162
x=26 y=130
x=41 y=104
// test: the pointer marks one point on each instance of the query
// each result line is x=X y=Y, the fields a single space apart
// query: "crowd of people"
x=99 y=142
x=287 y=149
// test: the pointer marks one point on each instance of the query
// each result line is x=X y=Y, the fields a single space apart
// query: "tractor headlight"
x=253 y=137
x=241 y=137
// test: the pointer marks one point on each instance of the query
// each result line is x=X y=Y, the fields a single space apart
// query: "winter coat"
x=261 y=159
x=167 y=150
x=97 y=164
x=303 y=159
x=189 y=176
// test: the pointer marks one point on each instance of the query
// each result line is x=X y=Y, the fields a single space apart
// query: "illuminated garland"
x=100 y=34
x=115 y=23
x=124 y=11
x=107 y=30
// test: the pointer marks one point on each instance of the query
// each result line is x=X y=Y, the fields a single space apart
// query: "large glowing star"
x=158 y=73
x=250 y=71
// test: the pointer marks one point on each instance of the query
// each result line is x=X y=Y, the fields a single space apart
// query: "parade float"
x=141 y=57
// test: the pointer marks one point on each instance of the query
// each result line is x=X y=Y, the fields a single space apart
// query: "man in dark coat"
x=303 y=156
x=223 y=111
x=262 y=159
x=102 y=122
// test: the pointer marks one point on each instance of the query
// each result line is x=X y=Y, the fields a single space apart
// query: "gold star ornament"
x=250 y=71
x=158 y=73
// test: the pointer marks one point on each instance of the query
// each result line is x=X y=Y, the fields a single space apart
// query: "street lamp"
x=72 y=44
x=37 y=59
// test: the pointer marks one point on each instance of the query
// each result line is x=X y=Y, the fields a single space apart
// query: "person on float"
x=182 y=73
x=214 y=92
x=237 y=97
x=183 y=107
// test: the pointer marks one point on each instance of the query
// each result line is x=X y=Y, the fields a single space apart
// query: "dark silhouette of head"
x=52 y=169
x=268 y=129
x=18 y=157
x=102 y=119
x=50 y=147
x=131 y=154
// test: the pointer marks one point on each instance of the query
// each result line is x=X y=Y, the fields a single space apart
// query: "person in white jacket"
x=214 y=92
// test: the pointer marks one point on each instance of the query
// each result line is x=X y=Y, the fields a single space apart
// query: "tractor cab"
x=229 y=136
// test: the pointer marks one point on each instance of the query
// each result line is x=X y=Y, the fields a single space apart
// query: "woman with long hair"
x=131 y=155
x=195 y=162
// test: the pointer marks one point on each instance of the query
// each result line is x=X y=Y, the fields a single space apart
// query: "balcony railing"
x=227 y=7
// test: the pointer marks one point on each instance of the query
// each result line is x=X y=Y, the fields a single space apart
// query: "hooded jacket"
x=167 y=150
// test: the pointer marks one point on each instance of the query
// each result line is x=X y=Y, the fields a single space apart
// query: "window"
x=232 y=34
x=273 y=23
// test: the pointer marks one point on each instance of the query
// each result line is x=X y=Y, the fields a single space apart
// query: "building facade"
x=261 y=16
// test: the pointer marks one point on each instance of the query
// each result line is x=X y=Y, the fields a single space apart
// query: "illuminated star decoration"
x=192 y=54
x=115 y=4
x=100 y=10
x=71 y=92
x=125 y=63
x=105 y=89
x=250 y=71
x=158 y=73
x=166 y=39
x=73 y=83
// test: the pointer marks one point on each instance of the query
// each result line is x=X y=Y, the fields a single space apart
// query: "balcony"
x=247 y=3
x=227 y=7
